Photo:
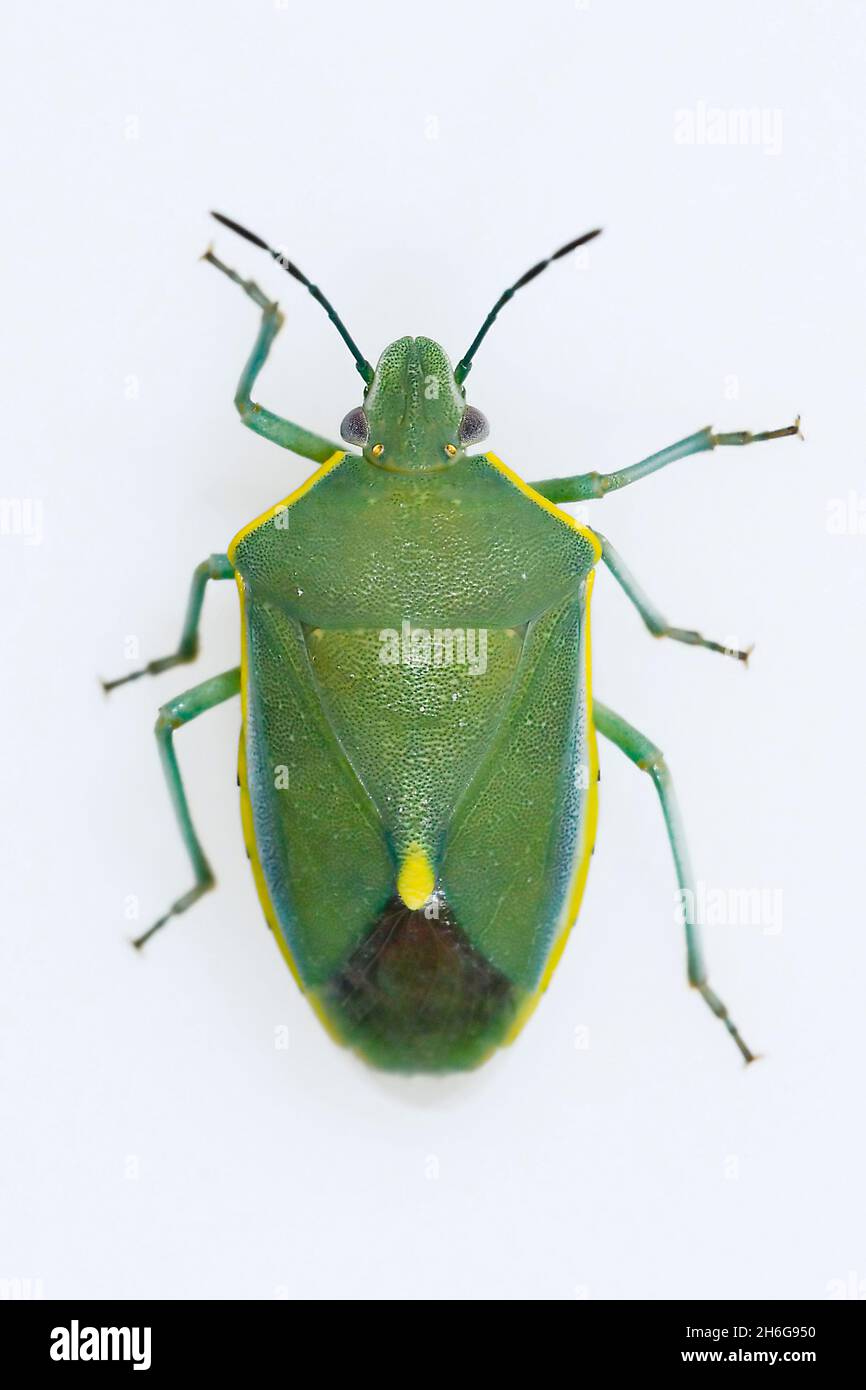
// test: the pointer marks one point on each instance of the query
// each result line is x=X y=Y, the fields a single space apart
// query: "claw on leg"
x=175 y=910
x=713 y=1002
x=747 y=437
x=249 y=287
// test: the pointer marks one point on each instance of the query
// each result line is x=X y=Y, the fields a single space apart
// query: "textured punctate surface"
x=414 y=654
x=413 y=733
x=366 y=548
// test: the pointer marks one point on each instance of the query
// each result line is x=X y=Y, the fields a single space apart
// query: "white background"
x=415 y=160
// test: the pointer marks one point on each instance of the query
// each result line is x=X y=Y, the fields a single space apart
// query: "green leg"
x=216 y=567
x=172 y=716
x=255 y=417
x=650 y=759
x=585 y=486
x=658 y=625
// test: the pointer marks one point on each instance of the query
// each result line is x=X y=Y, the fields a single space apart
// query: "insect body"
x=418 y=760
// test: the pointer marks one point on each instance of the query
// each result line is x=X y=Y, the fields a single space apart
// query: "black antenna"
x=360 y=360
x=464 y=366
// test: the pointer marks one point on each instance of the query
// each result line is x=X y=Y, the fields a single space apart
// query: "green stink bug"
x=418 y=763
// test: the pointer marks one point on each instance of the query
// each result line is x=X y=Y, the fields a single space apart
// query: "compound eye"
x=474 y=426
x=354 y=429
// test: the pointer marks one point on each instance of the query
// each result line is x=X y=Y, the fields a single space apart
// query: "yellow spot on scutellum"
x=416 y=880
